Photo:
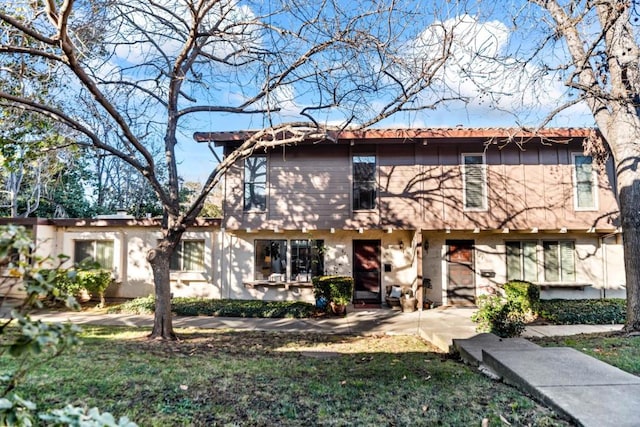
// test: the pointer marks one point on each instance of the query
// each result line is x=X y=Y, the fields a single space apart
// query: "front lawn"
x=613 y=348
x=266 y=378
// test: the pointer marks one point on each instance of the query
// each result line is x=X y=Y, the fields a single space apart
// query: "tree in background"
x=141 y=74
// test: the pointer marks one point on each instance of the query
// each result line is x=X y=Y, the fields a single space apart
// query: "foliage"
x=93 y=282
x=498 y=316
x=258 y=378
x=589 y=312
x=30 y=343
x=221 y=308
x=143 y=305
x=336 y=289
x=523 y=296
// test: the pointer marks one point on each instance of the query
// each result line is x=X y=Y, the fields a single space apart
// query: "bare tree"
x=592 y=47
x=144 y=72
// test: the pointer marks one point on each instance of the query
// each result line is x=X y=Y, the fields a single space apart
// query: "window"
x=271 y=260
x=585 y=182
x=559 y=261
x=474 y=181
x=364 y=182
x=255 y=183
x=307 y=259
x=188 y=256
x=100 y=251
x=522 y=261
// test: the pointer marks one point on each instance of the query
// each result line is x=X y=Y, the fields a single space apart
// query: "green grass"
x=267 y=378
x=613 y=348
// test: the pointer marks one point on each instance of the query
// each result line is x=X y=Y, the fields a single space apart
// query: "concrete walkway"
x=585 y=390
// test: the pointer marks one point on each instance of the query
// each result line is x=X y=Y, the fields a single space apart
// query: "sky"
x=477 y=36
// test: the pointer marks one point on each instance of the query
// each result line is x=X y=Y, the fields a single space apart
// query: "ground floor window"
x=304 y=260
x=559 y=261
x=522 y=261
x=100 y=251
x=188 y=256
x=307 y=260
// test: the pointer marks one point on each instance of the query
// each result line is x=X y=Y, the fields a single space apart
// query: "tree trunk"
x=629 y=199
x=160 y=259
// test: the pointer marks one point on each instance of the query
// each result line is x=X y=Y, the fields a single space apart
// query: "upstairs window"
x=188 y=256
x=364 y=182
x=584 y=179
x=559 y=261
x=474 y=182
x=100 y=251
x=522 y=261
x=255 y=183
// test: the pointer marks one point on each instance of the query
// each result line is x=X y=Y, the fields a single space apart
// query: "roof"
x=404 y=134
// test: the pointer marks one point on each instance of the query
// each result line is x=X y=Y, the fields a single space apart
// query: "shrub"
x=592 y=312
x=221 y=308
x=498 y=316
x=523 y=296
x=337 y=289
x=94 y=282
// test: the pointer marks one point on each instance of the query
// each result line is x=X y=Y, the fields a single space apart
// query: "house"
x=450 y=212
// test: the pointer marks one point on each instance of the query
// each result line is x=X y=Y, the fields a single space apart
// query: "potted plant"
x=337 y=290
x=407 y=301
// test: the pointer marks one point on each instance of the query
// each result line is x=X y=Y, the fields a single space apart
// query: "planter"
x=408 y=304
x=338 y=309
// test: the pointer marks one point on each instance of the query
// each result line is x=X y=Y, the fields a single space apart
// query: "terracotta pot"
x=338 y=309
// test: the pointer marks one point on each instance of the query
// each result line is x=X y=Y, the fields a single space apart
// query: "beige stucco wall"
x=599 y=263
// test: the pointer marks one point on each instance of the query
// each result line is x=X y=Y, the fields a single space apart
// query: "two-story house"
x=453 y=213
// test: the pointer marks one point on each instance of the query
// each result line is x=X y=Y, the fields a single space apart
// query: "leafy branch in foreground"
x=33 y=342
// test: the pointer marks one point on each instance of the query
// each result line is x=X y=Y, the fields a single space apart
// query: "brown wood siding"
x=421 y=186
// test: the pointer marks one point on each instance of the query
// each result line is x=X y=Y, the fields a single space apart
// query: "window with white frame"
x=255 y=183
x=188 y=256
x=522 y=261
x=474 y=181
x=364 y=182
x=584 y=178
x=559 y=261
x=99 y=251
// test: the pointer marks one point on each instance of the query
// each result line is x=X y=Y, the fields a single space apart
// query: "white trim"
x=484 y=206
x=594 y=184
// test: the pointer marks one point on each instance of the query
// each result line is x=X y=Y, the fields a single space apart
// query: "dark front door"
x=461 y=286
x=366 y=270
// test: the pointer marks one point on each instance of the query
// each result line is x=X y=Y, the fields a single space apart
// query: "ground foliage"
x=585 y=312
x=268 y=378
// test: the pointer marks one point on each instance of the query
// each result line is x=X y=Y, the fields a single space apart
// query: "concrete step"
x=470 y=349
x=582 y=388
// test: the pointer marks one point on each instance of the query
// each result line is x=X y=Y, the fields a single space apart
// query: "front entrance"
x=366 y=271
x=461 y=286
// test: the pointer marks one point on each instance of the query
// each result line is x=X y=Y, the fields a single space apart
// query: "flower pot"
x=408 y=304
x=338 y=309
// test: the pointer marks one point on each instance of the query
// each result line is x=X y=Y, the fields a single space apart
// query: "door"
x=366 y=270
x=461 y=286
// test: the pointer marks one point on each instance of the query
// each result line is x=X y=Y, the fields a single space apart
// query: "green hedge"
x=221 y=308
x=590 y=312
x=523 y=296
x=338 y=289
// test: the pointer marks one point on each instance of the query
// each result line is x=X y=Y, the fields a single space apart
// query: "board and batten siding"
x=420 y=186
